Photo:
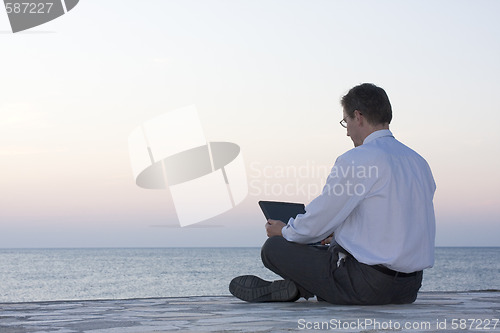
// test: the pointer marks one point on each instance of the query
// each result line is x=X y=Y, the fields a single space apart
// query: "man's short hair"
x=371 y=101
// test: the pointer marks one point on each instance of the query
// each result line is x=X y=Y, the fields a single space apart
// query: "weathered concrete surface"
x=432 y=312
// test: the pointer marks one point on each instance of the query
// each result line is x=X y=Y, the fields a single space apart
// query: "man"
x=377 y=203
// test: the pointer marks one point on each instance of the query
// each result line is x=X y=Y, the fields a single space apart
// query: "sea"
x=28 y=275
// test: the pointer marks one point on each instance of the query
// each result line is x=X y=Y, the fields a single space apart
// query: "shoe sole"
x=251 y=288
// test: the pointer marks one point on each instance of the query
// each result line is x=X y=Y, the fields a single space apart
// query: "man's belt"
x=388 y=271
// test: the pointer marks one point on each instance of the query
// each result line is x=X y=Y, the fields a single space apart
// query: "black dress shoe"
x=251 y=288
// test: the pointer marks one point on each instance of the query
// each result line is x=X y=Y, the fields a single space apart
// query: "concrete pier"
x=432 y=312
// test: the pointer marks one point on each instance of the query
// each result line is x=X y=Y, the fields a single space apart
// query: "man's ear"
x=359 y=117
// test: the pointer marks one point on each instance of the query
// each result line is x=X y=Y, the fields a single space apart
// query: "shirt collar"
x=377 y=134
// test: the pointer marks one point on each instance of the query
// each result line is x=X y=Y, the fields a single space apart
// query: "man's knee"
x=273 y=243
x=272 y=248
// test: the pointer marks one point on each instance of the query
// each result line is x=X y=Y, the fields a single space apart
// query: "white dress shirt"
x=378 y=202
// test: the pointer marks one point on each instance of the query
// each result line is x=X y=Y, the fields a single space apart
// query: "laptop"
x=283 y=211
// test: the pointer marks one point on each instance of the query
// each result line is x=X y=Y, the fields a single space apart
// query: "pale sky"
x=266 y=75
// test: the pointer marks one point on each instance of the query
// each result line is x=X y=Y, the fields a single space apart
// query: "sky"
x=265 y=75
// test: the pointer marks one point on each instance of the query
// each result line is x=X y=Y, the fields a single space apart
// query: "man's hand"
x=327 y=240
x=273 y=228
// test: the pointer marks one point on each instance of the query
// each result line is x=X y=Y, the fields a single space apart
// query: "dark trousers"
x=315 y=272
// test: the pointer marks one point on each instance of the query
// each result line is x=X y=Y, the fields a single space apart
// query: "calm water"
x=71 y=274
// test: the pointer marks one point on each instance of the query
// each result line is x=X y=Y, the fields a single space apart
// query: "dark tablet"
x=282 y=211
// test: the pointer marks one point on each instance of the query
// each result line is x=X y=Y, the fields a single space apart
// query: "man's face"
x=353 y=128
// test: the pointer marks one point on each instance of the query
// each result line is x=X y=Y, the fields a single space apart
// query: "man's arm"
x=343 y=191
